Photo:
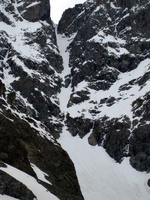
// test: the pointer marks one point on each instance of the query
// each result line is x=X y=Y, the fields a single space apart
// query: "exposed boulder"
x=78 y=97
x=78 y=126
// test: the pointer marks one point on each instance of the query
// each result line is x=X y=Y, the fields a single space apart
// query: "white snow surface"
x=100 y=177
x=33 y=4
x=5 y=197
x=40 y=174
x=63 y=42
x=38 y=190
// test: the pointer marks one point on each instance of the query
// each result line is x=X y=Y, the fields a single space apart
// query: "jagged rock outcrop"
x=109 y=58
x=33 y=10
x=30 y=55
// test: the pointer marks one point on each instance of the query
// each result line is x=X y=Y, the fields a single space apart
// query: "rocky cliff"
x=110 y=76
x=30 y=67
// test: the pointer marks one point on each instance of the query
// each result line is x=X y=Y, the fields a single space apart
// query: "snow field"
x=100 y=177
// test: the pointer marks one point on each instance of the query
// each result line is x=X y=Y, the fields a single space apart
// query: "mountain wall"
x=110 y=76
x=30 y=117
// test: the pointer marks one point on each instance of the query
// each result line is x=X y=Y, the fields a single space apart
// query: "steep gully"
x=63 y=42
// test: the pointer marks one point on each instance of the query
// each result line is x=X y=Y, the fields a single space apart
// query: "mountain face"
x=30 y=65
x=89 y=78
x=110 y=73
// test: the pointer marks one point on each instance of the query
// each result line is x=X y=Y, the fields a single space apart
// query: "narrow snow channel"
x=63 y=42
x=100 y=177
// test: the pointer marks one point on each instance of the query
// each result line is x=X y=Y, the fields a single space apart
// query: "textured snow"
x=113 y=6
x=100 y=177
x=38 y=190
x=101 y=37
x=104 y=38
x=33 y=4
x=63 y=42
x=5 y=197
x=117 y=51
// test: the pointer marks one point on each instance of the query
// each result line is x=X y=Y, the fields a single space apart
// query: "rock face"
x=30 y=117
x=110 y=60
x=30 y=55
x=33 y=10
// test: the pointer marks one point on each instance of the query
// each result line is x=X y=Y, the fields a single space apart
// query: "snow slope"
x=5 y=197
x=63 y=42
x=39 y=191
x=100 y=177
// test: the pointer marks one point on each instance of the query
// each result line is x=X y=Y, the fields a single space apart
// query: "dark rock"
x=2 y=89
x=102 y=101
x=111 y=101
x=32 y=83
x=148 y=182
x=4 y=18
x=78 y=97
x=141 y=107
x=98 y=60
x=125 y=87
x=2 y=164
x=139 y=148
x=113 y=135
x=78 y=126
x=21 y=145
x=35 y=11
x=11 y=187
x=89 y=59
x=68 y=17
x=11 y=97
x=144 y=79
